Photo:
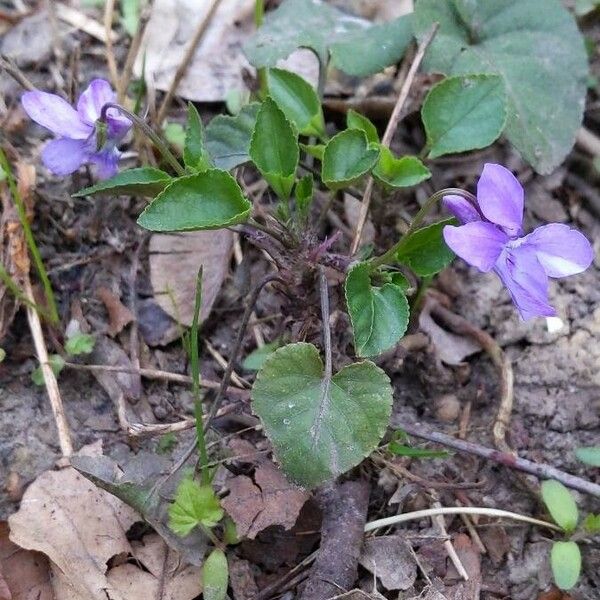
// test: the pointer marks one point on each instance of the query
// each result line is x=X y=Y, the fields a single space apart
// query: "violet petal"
x=461 y=208
x=561 y=250
x=478 y=243
x=500 y=198
x=106 y=163
x=54 y=113
x=93 y=98
x=63 y=156
x=526 y=281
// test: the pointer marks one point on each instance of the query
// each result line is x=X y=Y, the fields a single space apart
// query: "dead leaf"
x=118 y=314
x=24 y=575
x=174 y=263
x=268 y=500
x=352 y=208
x=496 y=541
x=470 y=558
x=389 y=559
x=30 y=41
x=241 y=578
x=450 y=348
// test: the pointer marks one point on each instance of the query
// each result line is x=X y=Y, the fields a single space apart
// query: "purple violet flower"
x=491 y=238
x=76 y=142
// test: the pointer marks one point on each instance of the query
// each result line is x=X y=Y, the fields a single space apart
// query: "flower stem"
x=35 y=253
x=390 y=255
x=12 y=286
x=149 y=132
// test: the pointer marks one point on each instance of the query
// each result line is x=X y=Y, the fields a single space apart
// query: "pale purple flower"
x=76 y=141
x=491 y=238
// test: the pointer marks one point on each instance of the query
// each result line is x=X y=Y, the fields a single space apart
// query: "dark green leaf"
x=354 y=120
x=256 y=359
x=215 y=576
x=403 y=450
x=463 y=113
x=537 y=49
x=80 y=343
x=56 y=363
x=425 y=251
x=379 y=315
x=589 y=456
x=356 y=46
x=195 y=155
x=399 y=172
x=347 y=157
x=227 y=139
x=194 y=505
x=320 y=426
x=298 y=100
x=274 y=148
x=560 y=504
x=208 y=200
x=565 y=559
x=145 y=181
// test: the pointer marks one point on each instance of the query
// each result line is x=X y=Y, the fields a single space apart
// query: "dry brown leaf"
x=118 y=314
x=470 y=558
x=268 y=500
x=174 y=263
x=241 y=578
x=24 y=575
x=389 y=558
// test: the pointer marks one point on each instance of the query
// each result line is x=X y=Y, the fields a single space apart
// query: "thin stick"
x=35 y=325
x=457 y=510
x=540 y=470
x=325 y=322
x=391 y=129
x=183 y=66
x=109 y=9
x=132 y=53
x=13 y=70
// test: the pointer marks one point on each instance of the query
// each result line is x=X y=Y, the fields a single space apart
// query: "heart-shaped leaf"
x=463 y=113
x=274 y=148
x=208 y=200
x=537 y=49
x=565 y=560
x=347 y=157
x=145 y=181
x=227 y=139
x=195 y=155
x=425 y=251
x=354 y=120
x=298 y=100
x=560 y=504
x=399 y=172
x=326 y=30
x=379 y=315
x=320 y=426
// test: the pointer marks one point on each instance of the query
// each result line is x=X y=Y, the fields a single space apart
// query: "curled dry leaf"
x=389 y=558
x=119 y=315
x=174 y=263
x=268 y=500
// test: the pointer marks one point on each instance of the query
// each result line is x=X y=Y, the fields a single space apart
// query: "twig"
x=182 y=68
x=82 y=22
x=540 y=470
x=35 y=325
x=132 y=53
x=588 y=141
x=237 y=380
x=109 y=9
x=391 y=129
x=6 y=64
x=457 y=510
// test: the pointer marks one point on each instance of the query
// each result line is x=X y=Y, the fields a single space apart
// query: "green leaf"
x=537 y=49
x=80 y=343
x=584 y=7
x=591 y=523
x=208 y=200
x=298 y=100
x=56 y=363
x=425 y=251
x=194 y=505
x=174 y=134
x=356 y=46
x=316 y=150
x=379 y=315
x=215 y=576
x=399 y=172
x=347 y=157
x=130 y=15
x=2 y=354
x=303 y=193
x=354 y=120
x=560 y=504
x=256 y=359
x=320 y=426
x=195 y=155
x=463 y=113
x=145 y=181
x=274 y=148
x=565 y=559
x=589 y=455
x=403 y=450
x=227 y=139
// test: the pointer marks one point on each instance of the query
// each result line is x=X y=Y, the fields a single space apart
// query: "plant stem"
x=195 y=366
x=390 y=255
x=35 y=253
x=149 y=132
x=11 y=285
x=457 y=510
x=261 y=74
